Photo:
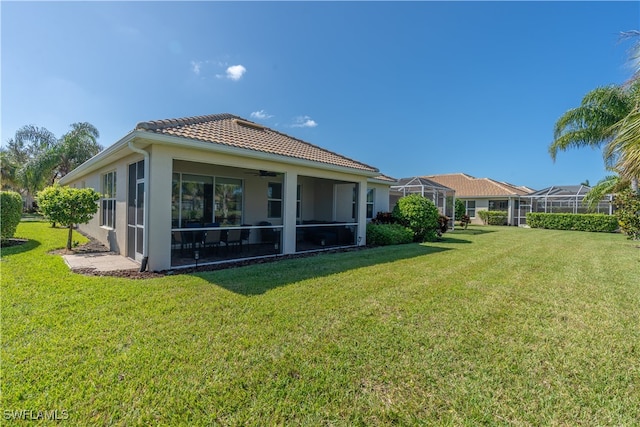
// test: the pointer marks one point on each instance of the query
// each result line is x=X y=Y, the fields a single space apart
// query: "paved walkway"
x=100 y=261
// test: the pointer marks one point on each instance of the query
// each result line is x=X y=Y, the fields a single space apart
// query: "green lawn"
x=493 y=325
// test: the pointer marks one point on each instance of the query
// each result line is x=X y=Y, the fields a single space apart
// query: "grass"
x=493 y=325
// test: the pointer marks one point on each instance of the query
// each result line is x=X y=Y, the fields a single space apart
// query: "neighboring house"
x=484 y=194
x=210 y=188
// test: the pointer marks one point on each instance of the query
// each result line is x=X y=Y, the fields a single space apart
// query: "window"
x=228 y=197
x=108 y=218
x=202 y=200
x=471 y=208
x=274 y=200
x=370 y=202
x=299 y=202
x=498 y=205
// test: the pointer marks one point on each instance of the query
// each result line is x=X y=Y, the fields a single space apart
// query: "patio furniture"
x=212 y=239
x=234 y=238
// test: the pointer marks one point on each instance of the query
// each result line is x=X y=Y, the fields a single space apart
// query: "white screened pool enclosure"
x=443 y=197
x=561 y=199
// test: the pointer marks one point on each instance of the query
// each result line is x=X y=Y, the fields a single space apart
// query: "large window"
x=471 y=208
x=498 y=205
x=108 y=218
x=200 y=200
x=274 y=200
x=228 y=199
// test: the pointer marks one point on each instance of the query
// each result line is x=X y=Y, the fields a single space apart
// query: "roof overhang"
x=121 y=149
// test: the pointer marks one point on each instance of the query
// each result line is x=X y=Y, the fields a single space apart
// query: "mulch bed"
x=5 y=243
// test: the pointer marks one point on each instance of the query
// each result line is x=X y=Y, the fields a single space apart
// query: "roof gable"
x=233 y=131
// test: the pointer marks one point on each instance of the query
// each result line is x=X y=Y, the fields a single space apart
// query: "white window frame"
x=371 y=203
x=108 y=202
x=271 y=199
x=470 y=209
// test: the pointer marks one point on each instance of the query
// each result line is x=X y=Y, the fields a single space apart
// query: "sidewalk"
x=100 y=261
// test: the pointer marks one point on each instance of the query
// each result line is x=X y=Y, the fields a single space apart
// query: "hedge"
x=578 y=222
x=493 y=217
x=10 y=212
x=388 y=234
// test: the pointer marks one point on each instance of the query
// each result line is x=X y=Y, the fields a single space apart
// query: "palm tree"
x=608 y=116
x=592 y=124
x=76 y=147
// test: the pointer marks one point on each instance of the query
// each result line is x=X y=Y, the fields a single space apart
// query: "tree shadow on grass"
x=472 y=231
x=19 y=248
x=258 y=279
x=453 y=240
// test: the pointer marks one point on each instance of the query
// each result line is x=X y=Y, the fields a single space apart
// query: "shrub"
x=388 y=234
x=493 y=217
x=10 y=211
x=383 y=218
x=578 y=222
x=460 y=210
x=443 y=224
x=627 y=205
x=419 y=214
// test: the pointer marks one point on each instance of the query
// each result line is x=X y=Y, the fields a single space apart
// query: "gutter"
x=145 y=249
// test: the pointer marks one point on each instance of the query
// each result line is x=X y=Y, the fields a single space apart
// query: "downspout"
x=145 y=249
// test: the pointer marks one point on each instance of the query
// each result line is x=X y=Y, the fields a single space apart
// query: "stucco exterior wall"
x=113 y=238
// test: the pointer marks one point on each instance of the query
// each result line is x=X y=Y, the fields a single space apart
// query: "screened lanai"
x=443 y=197
x=561 y=199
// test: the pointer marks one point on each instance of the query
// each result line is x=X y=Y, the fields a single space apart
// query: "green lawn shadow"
x=18 y=249
x=260 y=278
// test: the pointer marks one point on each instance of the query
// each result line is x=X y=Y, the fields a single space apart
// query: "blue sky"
x=412 y=88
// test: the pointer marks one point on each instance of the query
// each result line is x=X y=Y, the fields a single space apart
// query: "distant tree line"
x=34 y=158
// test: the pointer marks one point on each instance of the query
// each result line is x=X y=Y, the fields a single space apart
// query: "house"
x=483 y=194
x=206 y=189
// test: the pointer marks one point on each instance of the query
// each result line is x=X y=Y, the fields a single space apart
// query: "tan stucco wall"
x=114 y=239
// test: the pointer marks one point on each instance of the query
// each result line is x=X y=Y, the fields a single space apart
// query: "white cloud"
x=196 y=66
x=261 y=115
x=235 y=72
x=304 y=122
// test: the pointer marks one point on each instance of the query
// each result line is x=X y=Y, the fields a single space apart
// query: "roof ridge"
x=184 y=121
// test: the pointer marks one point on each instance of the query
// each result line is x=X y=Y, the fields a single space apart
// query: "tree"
x=419 y=214
x=34 y=158
x=68 y=206
x=608 y=116
x=76 y=147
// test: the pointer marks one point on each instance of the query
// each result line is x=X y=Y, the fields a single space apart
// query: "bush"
x=383 y=218
x=388 y=234
x=10 y=211
x=627 y=205
x=577 y=222
x=461 y=210
x=493 y=217
x=419 y=214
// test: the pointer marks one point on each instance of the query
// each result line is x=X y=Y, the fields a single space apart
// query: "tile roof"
x=469 y=186
x=233 y=131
